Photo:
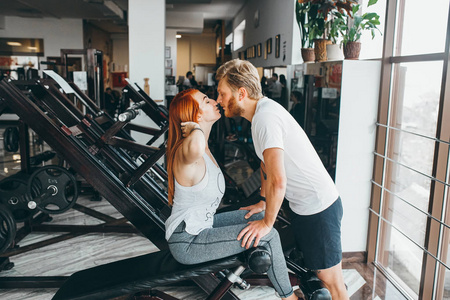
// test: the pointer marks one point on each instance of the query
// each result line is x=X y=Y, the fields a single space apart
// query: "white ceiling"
x=106 y=13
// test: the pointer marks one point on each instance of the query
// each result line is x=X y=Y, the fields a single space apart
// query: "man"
x=187 y=84
x=292 y=170
x=111 y=102
x=275 y=88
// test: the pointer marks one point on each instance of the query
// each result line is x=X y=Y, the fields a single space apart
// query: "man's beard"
x=233 y=109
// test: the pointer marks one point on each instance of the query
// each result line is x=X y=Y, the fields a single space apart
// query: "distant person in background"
x=187 y=84
x=264 y=84
x=111 y=101
x=275 y=88
x=298 y=108
x=194 y=82
x=284 y=92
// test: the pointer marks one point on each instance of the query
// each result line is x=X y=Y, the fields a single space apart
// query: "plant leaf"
x=372 y=2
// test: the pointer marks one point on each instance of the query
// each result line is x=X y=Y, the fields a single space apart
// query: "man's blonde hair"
x=241 y=73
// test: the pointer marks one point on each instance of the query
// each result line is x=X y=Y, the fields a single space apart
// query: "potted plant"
x=304 y=21
x=352 y=30
x=320 y=23
x=334 y=26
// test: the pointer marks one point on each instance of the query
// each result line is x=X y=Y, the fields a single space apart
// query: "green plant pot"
x=352 y=50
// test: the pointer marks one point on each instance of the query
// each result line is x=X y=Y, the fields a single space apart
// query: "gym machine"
x=110 y=160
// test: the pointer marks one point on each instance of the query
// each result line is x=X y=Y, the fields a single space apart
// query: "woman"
x=298 y=108
x=196 y=185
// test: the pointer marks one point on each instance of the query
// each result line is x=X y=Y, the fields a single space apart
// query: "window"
x=239 y=37
x=410 y=211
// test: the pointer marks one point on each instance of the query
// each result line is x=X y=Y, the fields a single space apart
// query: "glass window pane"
x=401 y=258
x=414 y=151
x=410 y=218
x=415 y=96
x=424 y=27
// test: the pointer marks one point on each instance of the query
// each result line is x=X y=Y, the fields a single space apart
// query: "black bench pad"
x=136 y=274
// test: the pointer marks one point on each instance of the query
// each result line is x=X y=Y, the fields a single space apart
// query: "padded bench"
x=136 y=274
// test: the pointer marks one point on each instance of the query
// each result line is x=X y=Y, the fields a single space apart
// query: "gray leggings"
x=221 y=241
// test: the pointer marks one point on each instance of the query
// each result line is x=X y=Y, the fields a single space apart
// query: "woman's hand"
x=187 y=127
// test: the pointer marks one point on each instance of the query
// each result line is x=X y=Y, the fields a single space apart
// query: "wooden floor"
x=88 y=250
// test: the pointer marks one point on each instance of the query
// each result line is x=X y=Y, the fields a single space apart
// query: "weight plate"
x=13 y=194
x=11 y=139
x=8 y=228
x=53 y=188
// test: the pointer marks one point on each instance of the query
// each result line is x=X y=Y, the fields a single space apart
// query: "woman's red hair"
x=183 y=108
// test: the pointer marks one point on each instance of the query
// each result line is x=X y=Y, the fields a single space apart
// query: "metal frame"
x=94 y=70
x=125 y=183
x=62 y=129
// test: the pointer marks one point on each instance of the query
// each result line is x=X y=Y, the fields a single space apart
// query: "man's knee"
x=333 y=280
x=332 y=276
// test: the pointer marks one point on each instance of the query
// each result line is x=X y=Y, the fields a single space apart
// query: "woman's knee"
x=272 y=238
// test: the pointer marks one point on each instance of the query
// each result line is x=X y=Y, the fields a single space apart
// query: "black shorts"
x=318 y=236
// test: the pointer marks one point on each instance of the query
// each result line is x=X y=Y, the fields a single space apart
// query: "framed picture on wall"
x=269 y=46
x=168 y=72
x=168 y=63
x=167 y=54
x=259 y=50
x=277 y=46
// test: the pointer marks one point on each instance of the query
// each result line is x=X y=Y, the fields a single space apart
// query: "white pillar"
x=146 y=30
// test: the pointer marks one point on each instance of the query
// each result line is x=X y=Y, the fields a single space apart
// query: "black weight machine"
x=113 y=163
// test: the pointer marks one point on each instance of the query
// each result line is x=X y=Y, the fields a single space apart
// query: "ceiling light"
x=33 y=48
x=178 y=36
x=15 y=44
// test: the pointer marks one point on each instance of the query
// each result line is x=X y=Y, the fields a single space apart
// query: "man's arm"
x=274 y=188
x=275 y=184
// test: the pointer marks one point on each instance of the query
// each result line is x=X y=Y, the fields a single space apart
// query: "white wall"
x=57 y=33
x=275 y=17
x=356 y=142
x=147 y=31
x=120 y=52
x=195 y=49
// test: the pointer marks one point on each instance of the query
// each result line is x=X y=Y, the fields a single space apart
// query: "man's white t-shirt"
x=309 y=188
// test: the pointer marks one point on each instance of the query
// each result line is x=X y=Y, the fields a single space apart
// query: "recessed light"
x=178 y=36
x=15 y=44
x=33 y=48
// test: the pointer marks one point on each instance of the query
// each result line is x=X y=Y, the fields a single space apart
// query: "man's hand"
x=254 y=209
x=254 y=231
